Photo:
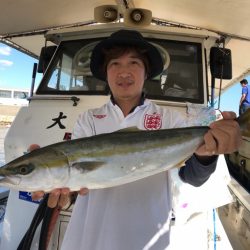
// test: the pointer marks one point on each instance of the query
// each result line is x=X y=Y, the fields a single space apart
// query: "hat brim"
x=153 y=54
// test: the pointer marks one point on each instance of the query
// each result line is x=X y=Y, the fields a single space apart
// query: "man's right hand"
x=59 y=197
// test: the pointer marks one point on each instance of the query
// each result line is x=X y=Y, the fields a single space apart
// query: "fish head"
x=38 y=170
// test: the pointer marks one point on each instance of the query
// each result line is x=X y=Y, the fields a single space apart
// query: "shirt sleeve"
x=244 y=90
x=84 y=126
x=195 y=173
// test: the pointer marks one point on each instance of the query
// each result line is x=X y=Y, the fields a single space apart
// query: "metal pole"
x=33 y=79
x=212 y=91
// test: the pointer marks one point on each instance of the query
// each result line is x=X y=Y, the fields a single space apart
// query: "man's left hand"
x=223 y=137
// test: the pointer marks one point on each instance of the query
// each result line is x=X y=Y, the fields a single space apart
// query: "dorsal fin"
x=129 y=129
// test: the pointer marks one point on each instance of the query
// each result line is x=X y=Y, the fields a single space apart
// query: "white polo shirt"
x=124 y=217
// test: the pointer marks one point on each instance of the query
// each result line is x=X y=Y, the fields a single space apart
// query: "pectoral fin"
x=87 y=166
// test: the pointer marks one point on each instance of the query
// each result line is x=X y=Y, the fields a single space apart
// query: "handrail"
x=57 y=98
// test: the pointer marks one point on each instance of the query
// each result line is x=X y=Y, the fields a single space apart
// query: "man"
x=128 y=216
x=245 y=97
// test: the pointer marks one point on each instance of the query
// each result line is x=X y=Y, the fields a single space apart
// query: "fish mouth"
x=9 y=181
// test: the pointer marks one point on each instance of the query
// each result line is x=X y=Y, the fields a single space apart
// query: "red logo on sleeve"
x=152 y=122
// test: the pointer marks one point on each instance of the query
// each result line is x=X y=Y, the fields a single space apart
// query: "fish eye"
x=25 y=169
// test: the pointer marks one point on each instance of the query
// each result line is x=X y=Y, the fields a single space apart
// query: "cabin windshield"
x=181 y=81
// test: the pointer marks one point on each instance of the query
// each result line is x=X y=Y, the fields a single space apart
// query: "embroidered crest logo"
x=152 y=122
x=99 y=116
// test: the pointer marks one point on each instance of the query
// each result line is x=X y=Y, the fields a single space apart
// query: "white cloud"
x=6 y=63
x=5 y=50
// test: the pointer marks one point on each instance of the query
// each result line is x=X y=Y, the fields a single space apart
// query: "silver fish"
x=104 y=160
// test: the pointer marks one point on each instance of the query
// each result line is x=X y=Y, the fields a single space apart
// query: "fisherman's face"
x=126 y=76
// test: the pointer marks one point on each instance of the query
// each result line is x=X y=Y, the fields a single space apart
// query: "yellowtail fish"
x=104 y=160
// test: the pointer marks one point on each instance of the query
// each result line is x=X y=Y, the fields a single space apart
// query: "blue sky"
x=16 y=72
x=231 y=98
x=16 y=69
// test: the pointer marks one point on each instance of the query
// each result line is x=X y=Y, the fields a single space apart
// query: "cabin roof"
x=24 y=22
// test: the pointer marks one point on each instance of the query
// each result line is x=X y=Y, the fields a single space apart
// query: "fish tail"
x=244 y=122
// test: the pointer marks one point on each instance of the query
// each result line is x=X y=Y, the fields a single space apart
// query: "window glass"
x=181 y=80
x=20 y=94
x=5 y=93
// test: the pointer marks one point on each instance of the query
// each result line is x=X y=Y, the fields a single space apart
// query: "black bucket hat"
x=125 y=37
